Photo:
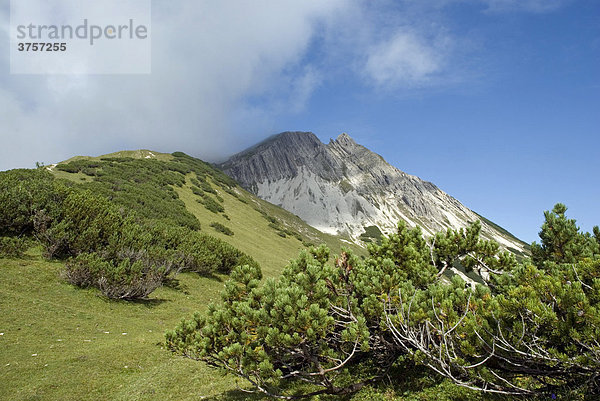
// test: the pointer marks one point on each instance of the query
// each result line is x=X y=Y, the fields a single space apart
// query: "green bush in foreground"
x=331 y=329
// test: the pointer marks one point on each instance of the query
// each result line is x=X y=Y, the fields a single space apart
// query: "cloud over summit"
x=222 y=73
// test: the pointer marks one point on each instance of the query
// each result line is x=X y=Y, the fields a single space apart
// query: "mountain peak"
x=296 y=139
x=282 y=156
x=345 y=139
x=296 y=136
x=344 y=144
x=343 y=187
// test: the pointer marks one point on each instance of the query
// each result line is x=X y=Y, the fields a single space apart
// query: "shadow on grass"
x=408 y=382
x=147 y=302
x=287 y=389
x=173 y=283
x=213 y=277
x=238 y=395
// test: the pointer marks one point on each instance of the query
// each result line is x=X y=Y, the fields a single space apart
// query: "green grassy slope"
x=60 y=342
x=252 y=233
x=259 y=227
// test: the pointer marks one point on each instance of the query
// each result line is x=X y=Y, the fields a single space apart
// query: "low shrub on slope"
x=112 y=234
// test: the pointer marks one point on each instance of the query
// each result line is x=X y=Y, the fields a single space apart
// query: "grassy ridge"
x=55 y=346
x=247 y=215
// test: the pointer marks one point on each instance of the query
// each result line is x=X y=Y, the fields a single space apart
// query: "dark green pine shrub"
x=206 y=254
x=195 y=182
x=69 y=167
x=125 y=279
x=202 y=169
x=211 y=205
x=205 y=186
x=143 y=186
x=124 y=233
x=23 y=194
x=92 y=172
x=561 y=241
x=77 y=166
x=117 y=159
x=146 y=188
x=197 y=191
x=324 y=328
x=371 y=234
x=204 y=193
x=221 y=228
x=284 y=327
x=85 y=223
x=12 y=247
x=271 y=220
x=232 y=193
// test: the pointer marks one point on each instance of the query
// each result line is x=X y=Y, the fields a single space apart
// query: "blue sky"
x=495 y=101
x=517 y=132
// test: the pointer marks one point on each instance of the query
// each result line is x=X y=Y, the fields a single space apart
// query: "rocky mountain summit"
x=343 y=188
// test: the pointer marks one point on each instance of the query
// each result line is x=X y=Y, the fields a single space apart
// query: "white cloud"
x=208 y=57
x=404 y=60
x=223 y=71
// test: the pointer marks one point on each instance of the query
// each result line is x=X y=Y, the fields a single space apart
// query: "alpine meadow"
x=387 y=322
x=300 y=200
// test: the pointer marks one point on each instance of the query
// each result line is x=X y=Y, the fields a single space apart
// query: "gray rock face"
x=342 y=187
x=282 y=157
